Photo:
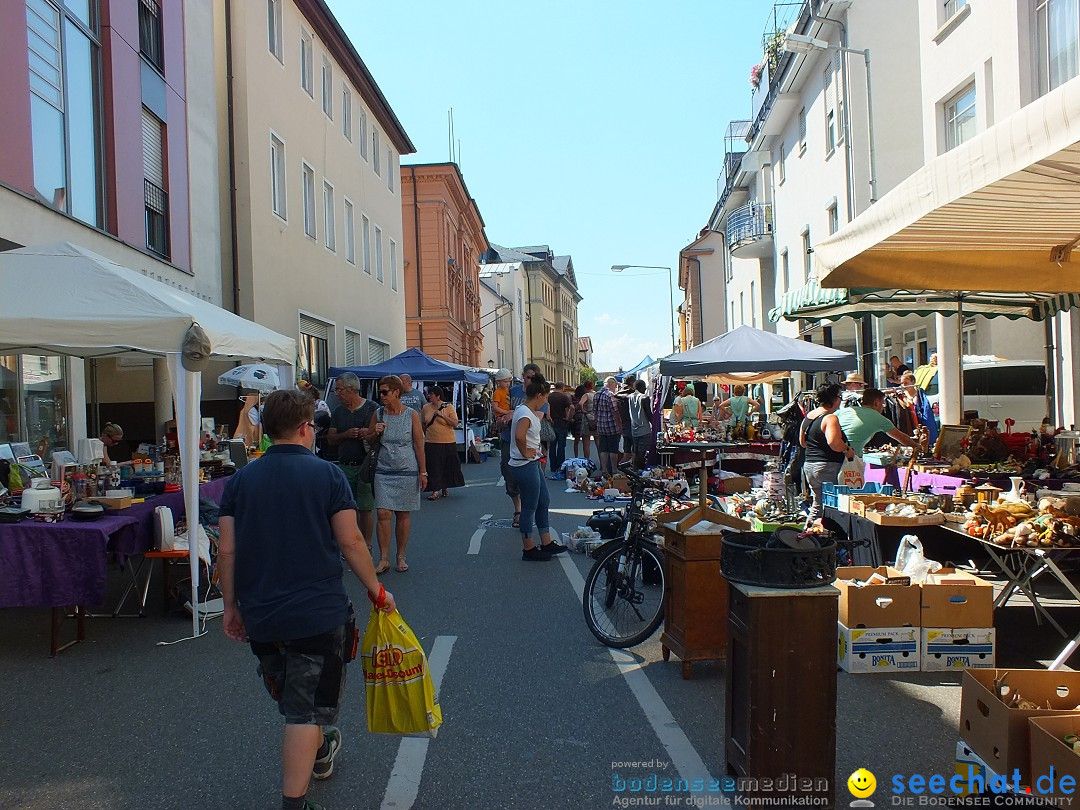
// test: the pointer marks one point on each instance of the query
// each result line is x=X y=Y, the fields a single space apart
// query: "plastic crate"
x=830 y=492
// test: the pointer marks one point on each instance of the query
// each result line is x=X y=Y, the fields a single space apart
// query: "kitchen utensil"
x=42 y=491
x=86 y=510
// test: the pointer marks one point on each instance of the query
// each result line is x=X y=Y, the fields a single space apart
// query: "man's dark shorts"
x=640 y=444
x=608 y=442
x=504 y=468
x=306 y=676
x=628 y=442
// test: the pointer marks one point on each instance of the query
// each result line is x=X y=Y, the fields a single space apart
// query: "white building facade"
x=502 y=315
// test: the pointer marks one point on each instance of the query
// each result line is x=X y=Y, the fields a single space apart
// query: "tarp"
x=417 y=365
x=644 y=364
x=746 y=349
x=814 y=302
x=983 y=216
x=65 y=299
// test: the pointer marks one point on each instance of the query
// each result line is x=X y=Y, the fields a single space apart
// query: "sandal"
x=434 y=496
x=516 y=523
x=402 y=566
x=382 y=567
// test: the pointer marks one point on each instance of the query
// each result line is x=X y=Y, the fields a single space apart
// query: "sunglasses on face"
x=383 y=392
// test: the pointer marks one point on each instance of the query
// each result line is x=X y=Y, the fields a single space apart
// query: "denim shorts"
x=306 y=676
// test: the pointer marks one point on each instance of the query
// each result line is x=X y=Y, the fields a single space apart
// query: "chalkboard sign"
x=949 y=441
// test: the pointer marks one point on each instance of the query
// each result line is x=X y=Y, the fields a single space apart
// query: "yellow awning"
x=983 y=216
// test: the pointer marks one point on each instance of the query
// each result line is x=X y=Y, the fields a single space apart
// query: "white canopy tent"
x=63 y=299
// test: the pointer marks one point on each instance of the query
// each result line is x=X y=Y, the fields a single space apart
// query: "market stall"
x=97 y=308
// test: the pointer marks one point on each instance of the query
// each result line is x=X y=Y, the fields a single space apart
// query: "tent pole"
x=960 y=350
x=1051 y=366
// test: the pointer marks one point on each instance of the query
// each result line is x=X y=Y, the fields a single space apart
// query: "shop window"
x=34 y=402
x=151 y=42
x=1057 y=24
x=64 y=55
x=314 y=349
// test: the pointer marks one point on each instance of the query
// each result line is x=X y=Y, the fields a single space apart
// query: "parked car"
x=1002 y=389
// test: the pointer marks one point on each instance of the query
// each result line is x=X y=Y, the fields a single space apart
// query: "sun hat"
x=855 y=377
x=195 y=351
x=503 y=374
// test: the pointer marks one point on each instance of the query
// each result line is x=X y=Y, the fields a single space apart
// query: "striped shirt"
x=607 y=413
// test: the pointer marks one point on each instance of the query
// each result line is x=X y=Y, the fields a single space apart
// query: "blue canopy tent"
x=417 y=365
x=644 y=364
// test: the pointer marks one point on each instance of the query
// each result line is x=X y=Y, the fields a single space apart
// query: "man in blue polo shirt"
x=286 y=522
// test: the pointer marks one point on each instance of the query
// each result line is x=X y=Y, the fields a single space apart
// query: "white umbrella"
x=256 y=376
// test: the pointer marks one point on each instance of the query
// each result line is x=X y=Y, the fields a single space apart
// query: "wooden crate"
x=861 y=504
x=881 y=519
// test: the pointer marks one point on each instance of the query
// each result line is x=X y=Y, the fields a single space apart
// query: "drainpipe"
x=234 y=243
x=416 y=243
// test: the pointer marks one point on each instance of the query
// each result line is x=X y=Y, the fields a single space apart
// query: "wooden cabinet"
x=695 y=608
x=780 y=712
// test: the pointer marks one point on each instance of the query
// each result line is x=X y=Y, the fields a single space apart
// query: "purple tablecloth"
x=59 y=564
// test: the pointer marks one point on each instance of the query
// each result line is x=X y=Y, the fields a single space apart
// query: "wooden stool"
x=166 y=557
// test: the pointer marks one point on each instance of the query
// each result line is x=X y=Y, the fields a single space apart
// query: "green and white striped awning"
x=815 y=303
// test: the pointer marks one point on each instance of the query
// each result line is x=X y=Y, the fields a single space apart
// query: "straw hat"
x=855 y=378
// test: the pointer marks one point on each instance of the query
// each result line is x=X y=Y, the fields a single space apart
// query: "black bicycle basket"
x=766 y=560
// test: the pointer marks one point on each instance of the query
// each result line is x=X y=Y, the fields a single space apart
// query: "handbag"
x=547 y=431
x=370 y=464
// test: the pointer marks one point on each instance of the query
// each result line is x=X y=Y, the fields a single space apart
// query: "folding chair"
x=167 y=558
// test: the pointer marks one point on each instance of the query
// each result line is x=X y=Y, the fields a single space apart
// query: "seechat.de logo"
x=862 y=784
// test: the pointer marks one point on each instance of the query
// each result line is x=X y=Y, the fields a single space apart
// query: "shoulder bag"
x=547 y=430
x=370 y=463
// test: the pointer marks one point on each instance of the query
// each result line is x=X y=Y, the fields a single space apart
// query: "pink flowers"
x=755 y=75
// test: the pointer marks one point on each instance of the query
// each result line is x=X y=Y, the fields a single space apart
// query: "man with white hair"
x=608 y=426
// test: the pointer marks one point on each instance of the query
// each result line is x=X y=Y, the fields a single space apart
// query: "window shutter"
x=376 y=352
x=152 y=152
x=350 y=348
x=317 y=329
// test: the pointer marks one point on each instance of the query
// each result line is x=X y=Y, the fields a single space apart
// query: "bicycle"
x=625 y=590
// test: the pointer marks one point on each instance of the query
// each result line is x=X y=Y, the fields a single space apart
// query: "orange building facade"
x=443 y=236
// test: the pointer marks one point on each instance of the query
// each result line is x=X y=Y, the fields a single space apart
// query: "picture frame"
x=949 y=443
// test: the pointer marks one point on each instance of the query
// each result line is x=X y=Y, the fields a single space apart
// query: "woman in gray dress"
x=401 y=474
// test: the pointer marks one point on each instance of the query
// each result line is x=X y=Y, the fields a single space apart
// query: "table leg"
x=57 y=617
x=1020 y=579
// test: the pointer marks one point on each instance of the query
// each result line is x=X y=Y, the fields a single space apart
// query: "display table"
x=56 y=565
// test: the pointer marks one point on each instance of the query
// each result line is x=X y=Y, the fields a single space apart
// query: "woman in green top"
x=687 y=409
x=739 y=405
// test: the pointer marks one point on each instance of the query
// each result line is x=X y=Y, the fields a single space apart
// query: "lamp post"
x=618 y=268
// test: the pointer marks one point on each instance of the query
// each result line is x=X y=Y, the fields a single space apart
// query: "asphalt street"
x=537 y=714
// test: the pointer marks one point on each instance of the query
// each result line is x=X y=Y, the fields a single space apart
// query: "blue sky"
x=592 y=126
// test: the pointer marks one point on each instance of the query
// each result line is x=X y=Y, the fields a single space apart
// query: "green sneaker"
x=324 y=766
x=310 y=805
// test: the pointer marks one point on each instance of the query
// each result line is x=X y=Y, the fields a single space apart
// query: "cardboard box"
x=928 y=519
x=999 y=734
x=621 y=483
x=956 y=648
x=886 y=605
x=957 y=599
x=975 y=773
x=736 y=483
x=1052 y=758
x=861 y=504
x=877 y=649
x=113 y=503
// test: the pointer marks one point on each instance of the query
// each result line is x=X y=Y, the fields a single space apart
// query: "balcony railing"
x=157 y=218
x=748 y=225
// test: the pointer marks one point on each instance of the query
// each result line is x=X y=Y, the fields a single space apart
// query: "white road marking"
x=681 y=751
x=478 y=535
x=404 y=784
x=501 y=482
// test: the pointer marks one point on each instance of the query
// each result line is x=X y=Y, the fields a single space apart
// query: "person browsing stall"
x=111 y=436
x=826 y=447
x=739 y=405
x=286 y=523
x=861 y=422
x=525 y=455
x=350 y=427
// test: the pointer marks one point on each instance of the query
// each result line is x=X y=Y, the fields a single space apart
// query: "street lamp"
x=618 y=268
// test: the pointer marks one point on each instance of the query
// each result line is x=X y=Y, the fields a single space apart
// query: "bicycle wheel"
x=624 y=595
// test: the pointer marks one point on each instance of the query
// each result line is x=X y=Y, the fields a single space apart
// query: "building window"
x=327 y=88
x=35 y=401
x=390 y=171
x=378 y=254
x=785 y=270
x=64 y=67
x=781 y=166
x=346 y=112
x=365 y=242
x=314 y=350
x=960 y=117
x=361 y=135
x=829 y=98
x=353 y=349
x=834 y=219
x=377 y=351
x=808 y=264
x=393 y=265
x=375 y=153
x=753 y=308
x=277 y=176
x=1058 y=32
x=307 y=63
x=329 y=216
x=802 y=130
x=151 y=45
x=953 y=6
x=155 y=198
x=273 y=29
x=310 y=228
x=742 y=308
x=350 y=232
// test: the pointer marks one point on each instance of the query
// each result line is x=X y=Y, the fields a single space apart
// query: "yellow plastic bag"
x=400 y=693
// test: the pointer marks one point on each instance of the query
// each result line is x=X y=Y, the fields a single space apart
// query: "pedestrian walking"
x=286 y=523
x=350 y=427
x=440 y=445
x=525 y=466
x=401 y=474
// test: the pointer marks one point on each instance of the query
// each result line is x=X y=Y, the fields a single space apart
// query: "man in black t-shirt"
x=622 y=399
x=349 y=429
x=286 y=522
x=561 y=411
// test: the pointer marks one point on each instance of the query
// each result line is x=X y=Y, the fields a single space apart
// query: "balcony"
x=750 y=231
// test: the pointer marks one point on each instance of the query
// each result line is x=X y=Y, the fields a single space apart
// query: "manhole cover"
x=505 y=523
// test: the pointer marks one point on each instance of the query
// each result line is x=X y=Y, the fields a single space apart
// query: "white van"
x=1002 y=389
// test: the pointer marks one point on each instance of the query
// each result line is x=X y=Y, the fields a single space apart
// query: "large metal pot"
x=1068 y=447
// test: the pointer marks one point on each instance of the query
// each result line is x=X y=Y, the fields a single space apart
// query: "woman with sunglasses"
x=401 y=473
x=525 y=455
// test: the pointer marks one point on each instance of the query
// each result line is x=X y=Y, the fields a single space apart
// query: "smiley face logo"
x=861 y=783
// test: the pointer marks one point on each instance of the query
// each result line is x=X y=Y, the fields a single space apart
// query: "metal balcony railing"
x=748 y=224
